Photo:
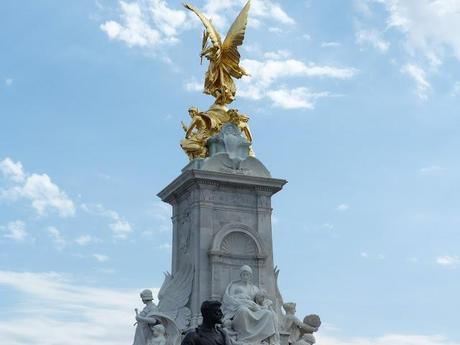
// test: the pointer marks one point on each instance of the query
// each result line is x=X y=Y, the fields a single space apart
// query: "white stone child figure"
x=294 y=326
x=262 y=300
x=158 y=335
x=307 y=339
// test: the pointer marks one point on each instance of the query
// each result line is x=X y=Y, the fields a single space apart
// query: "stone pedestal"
x=221 y=221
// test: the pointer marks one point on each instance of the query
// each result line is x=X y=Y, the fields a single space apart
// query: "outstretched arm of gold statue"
x=190 y=129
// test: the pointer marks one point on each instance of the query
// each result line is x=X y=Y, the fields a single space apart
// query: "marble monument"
x=222 y=248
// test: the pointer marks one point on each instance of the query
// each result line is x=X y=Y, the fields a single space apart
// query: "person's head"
x=157 y=329
x=211 y=312
x=146 y=296
x=193 y=111
x=246 y=273
x=309 y=338
x=289 y=308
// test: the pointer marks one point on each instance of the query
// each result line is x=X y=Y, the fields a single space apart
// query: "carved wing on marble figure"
x=278 y=298
x=175 y=293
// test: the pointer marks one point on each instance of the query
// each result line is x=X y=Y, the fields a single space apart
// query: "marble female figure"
x=143 y=331
x=252 y=322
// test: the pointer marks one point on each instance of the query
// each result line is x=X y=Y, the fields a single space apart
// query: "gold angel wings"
x=224 y=58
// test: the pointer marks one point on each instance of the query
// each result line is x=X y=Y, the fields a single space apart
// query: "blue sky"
x=355 y=103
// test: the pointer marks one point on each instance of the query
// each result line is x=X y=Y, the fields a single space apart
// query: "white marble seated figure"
x=254 y=323
x=158 y=335
x=293 y=325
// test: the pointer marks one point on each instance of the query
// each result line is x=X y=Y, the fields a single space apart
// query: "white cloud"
x=166 y=246
x=12 y=170
x=133 y=30
x=57 y=238
x=15 y=230
x=277 y=55
x=342 y=207
x=362 y=6
x=428 y=26
x=261 y=10
x=456 y=89
x=431 y=170
x=101 y=257
x=364 y=255
x=193 y=85
x=374 y=38
x=297 y=98
x=8 y=81
x=396 y=339
x=328 y=226
x=330 y=44
x=44 y=195
x=265 y=73
x=146 y=24
x=448 y=261
x=84 y=240
x=167 y=20
x=56 y=310
x=152 y=23
x=119 y=226
x=419 y=77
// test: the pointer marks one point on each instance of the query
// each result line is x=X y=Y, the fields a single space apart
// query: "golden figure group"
x=206 y=124
x=224 y=60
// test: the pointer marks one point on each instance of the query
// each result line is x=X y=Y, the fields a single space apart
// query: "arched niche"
x=233 y=246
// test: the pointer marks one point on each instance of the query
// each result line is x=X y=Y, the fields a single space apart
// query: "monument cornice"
x=219 y=179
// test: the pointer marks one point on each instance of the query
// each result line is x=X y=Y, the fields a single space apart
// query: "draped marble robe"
x=252 y=322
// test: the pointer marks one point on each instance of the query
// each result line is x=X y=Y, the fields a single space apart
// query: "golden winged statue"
x=224 y=58
x=224 y=65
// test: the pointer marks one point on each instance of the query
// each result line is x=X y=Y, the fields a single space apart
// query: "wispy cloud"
x=44 y=195
x=399 y=339
x=223 y=12
x=119 y=226
x=193 y=85
x=8 y=81
x=431 y=170
x=274 y=69
x=101 y=257
x=297 y=98
x=427 y=27
x=330 y=44
x=456 y=89
x=165 y=246
x=152 y=23
x=145 y=24
x=84 y=240
x=58 y=310
x=374 y=38
x=15 y=230
x=418 y=75
x=57 y=237
x=343 y=207
x=448 y=261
